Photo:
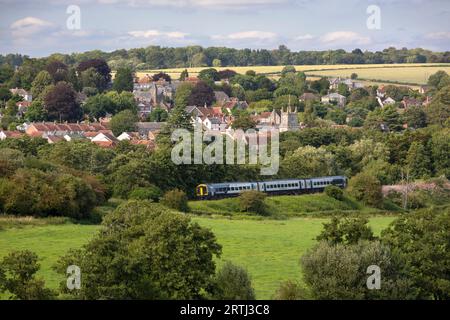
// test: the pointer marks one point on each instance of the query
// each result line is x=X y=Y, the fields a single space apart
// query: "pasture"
x=269 y=249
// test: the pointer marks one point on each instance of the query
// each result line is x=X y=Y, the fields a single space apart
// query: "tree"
x=152 y=193
x=339 y=272
x=42 y=80
x=61 y=104
x=17 y=277
x=232 y=283
x=184 y=75
x=346 y=231
x=179 y=119
x=253 y=201
x=354 y=76
x=202 y=94
x=308 y=162
x=439 y=80
x=366 y=188
x=244 y=122
x=226 y=74
x=98 y=106
x=182 y=94
x=288 y=69
x=57 y=70
x=418 y=161
x=438 y=112
x=343 y=89
x=158 y=115
x=147 y=252
x=415 y=117
x=162 y=75
x=101 y=68
x=209 y=75
x=124 y=121
x=123 y=80
x=36 y=112
x=176 y=199
x=217 y=63
x=422 y=238
x=440 y=149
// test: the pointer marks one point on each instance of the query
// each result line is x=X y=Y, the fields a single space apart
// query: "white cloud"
x=29 y=26
x=214 y=4
x=247 y=35
x=304 y=37
x=443 y=35
x=344 y=38
x=153 y=34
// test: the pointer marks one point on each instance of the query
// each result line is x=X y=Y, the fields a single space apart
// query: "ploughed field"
x=269 y=249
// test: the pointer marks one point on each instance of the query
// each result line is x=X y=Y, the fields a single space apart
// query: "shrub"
x=340 y=272
x=367 y=189
x=151 y=193
x=176 y=199
x=291 y=290
x=253 y=201
x=232 y=283
x=347 y=231
x=334 y=192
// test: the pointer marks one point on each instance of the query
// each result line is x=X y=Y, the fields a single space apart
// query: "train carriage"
x=275 y=187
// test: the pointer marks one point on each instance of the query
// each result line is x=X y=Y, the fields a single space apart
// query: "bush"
x=347 y=231
x=232 y=283
x=176 y=199
x=290 y=290
x=340 y=272
x=253 y=201
x=334 y=192
x=367 y=189
x=151 y=193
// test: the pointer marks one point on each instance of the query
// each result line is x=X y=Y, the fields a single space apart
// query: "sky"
x=39 y=28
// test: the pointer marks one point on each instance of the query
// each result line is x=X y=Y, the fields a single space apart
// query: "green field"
x=269 y=249
x=280 y=206
x=414 y=73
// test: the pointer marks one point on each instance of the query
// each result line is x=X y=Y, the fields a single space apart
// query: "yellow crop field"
x=409 y=75
x=414 y=73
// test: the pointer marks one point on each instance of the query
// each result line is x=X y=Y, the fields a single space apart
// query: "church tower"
x=289 y=119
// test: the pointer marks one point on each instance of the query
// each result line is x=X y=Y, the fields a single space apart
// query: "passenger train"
x=276 y=187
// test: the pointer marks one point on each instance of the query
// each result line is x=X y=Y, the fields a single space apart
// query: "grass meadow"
x=269 y=249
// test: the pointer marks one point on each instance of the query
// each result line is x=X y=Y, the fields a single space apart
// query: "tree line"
x=156 y=57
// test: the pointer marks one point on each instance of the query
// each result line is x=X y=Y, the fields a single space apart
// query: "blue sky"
x=38 y=28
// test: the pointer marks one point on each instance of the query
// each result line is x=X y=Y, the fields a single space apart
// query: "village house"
x=4 y=134
x=335 y=82
x=340 y=100
x=149 y=130
x=307 y=96
x=221 y=97
x=385 y=101
x=40 y=129
x=27 y=96
x=410 y=102
x=105 y=140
